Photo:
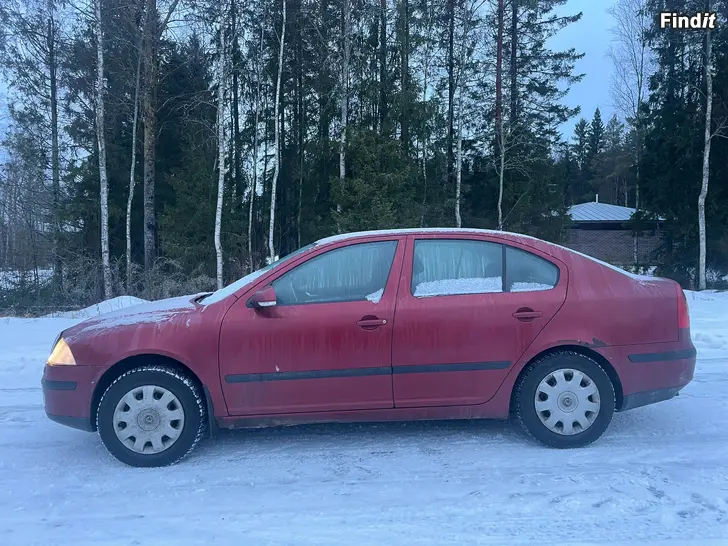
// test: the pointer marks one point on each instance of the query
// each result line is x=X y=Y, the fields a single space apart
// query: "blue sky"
x=591 y=36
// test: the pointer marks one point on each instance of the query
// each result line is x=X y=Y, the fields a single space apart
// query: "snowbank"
x=709 y=322
x=107 y=306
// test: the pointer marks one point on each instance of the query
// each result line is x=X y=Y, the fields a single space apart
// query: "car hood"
x=159 y=313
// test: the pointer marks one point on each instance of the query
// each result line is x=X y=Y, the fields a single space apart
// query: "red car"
x=374 y=326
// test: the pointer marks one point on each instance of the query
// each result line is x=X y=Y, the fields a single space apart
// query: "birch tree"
x=221 y=144
x=256 y=144
x=134 y=125
x=101 y=142
x=630 y=55
x=345 y=53
x=500 y=141
x=276 y=141
x=707 y=137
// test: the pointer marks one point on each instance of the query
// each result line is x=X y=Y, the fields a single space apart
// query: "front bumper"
x=67 y=394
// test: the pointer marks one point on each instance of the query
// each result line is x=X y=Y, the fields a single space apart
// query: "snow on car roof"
x=414 y=231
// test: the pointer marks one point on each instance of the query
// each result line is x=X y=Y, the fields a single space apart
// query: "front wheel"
x=565 y=400
x=151 y=416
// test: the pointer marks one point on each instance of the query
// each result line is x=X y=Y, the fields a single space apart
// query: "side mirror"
x=265 y=297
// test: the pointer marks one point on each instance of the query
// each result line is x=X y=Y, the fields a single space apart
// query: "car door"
x=468 y=308
x=326 y=344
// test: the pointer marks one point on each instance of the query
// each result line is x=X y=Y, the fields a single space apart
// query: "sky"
x=591 y=36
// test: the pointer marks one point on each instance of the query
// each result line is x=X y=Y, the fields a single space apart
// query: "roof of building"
x=600 y=212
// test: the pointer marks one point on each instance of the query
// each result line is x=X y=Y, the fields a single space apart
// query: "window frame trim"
x=459 y=239
x=325 y=251
x=503 y=242
x=505 y=252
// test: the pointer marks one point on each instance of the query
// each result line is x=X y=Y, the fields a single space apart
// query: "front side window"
x=453 y=266
x=357 y=272
x=526 y=272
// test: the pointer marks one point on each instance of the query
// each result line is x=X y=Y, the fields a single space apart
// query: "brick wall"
x=613 y=246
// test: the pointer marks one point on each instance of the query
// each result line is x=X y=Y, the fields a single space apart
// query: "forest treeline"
x=159 y=147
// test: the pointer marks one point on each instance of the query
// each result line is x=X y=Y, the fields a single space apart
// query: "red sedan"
x=373 y=326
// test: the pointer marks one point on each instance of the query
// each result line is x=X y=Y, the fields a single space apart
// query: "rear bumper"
x=639 y=399
x=652 y=373
x=67 y=393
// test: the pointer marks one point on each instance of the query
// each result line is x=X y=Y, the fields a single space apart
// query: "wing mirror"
x=265 y=297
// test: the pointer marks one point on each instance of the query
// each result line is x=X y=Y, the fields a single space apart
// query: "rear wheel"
x=565 y=400
x=151 y=416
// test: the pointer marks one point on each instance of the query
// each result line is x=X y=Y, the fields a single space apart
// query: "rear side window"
x=356 y=272
x=454 y=266
x=526 y=272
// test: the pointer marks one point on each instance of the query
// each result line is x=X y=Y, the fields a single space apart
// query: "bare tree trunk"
x=450 y=87
x=702 y=282
x=459 y=167
x=153 y=34
x=132 y=169
x=383 y=109
x=276 y=138
x=254 y=187
x=236 y=61
x=460 y=91
x=630 y=56
x=404 y=74
x=101 y=140
x=514 y=61
x=499 y=111
x=150 y=133
x=220 y=148
x=345 y=52
x=426 y=68
x=55 y=153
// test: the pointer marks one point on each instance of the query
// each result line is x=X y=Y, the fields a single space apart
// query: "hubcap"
x=148 y=419
x=567 y=401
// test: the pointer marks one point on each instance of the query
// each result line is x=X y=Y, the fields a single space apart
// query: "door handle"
x=370 y=323
x=526 y=314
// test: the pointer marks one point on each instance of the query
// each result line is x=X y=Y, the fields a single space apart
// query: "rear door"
x=326 y=344
x=468 y=308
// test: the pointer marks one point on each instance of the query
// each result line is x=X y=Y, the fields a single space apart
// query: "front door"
x=467 y=310
x=326 y=344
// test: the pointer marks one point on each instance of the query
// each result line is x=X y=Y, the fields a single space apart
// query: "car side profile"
x=376 y=326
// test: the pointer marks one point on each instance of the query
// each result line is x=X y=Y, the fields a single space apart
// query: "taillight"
x=683 y=315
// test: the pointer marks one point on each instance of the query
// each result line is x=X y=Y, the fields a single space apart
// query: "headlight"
x=61 y=355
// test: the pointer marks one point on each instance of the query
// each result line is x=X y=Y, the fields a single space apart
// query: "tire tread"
x=189 y=383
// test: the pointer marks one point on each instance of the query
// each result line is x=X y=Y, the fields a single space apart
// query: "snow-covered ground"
x=658 y=476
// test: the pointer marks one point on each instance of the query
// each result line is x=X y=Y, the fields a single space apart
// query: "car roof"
x=553 y=249
x=422 y=231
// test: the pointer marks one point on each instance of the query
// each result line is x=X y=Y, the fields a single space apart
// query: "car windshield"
x=244 y=281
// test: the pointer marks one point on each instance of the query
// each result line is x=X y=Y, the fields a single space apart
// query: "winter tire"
x=565 y=400
x=151 y=416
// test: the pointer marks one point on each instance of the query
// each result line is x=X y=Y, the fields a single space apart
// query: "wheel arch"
x=135 y=361
x=586 y=351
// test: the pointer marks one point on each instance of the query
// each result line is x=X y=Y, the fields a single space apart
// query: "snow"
x=530 y=287
x=108 y=306
x=12 y=278
x=459 y=286
x=376 y=296
x=659 y=476
x=145 y=312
